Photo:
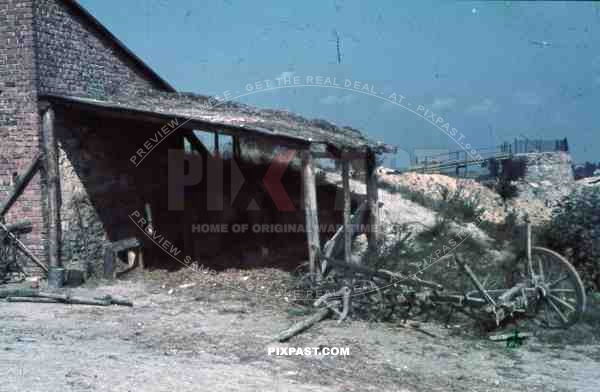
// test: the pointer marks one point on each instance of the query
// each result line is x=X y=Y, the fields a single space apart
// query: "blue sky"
x=492 y=70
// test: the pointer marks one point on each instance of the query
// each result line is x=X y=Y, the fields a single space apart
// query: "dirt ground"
x=209 y=338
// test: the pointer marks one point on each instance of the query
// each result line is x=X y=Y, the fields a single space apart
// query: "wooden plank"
x=51 y=182
x=513 y=335
x=23 y=181
x=311 y=209
x=372 y=202
x=347 y=213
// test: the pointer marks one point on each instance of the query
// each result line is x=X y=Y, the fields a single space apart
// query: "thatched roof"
x=195 y=109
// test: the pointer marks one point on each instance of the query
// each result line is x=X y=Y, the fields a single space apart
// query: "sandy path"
x=200 y=340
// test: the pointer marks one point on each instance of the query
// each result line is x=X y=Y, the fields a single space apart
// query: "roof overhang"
x=202 y=112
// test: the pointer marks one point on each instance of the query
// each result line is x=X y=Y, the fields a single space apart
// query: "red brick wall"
x=19 y=119
x=75 y=59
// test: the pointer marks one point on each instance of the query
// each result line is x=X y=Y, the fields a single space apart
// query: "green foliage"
x=458 y=205
x=506 y=189
x=513 y=169
x=575 y=232
x=507 y=231
x=397 y=256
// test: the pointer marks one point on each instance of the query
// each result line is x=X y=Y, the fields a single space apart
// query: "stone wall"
x=75 y=59
x=549 y=177
x=19 y=119
x=101 y=187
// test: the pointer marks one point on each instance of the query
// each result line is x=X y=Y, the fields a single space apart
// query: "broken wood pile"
x=354 y=290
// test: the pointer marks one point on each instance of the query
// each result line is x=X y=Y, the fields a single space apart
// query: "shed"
x=91 y=139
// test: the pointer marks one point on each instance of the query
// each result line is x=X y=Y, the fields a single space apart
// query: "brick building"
x=71 y=90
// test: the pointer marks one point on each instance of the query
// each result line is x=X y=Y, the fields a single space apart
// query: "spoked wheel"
x=560 y=295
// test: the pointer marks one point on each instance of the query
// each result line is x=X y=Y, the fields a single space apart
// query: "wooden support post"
x=217 y=154
x=372 y=207
x=51 y=183
x=237 y=153
x=183 y=217
x=311 y=210
x=347 y=207
x=333 y=247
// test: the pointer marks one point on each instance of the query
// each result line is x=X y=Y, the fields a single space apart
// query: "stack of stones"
x=549 y=177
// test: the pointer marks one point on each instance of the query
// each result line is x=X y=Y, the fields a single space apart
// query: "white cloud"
x=487 y=105
x=286 y=74
x=335 y=100
x=528 y=98
x=443 y=103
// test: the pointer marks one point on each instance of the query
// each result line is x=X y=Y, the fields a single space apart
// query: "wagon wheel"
x=367 y=300
x=560 y=293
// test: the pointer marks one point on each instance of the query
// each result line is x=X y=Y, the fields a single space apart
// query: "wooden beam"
x=347 y=211
x=195 y=142
x=301 y=326
x=216 y=147
x=51 y=183
x=372 y=203
x=311 y=210
x=22 y=182
x=185 y=217
x=237 y=152
x=333 y=247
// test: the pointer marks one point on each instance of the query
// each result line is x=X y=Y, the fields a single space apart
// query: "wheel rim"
x=561 y=295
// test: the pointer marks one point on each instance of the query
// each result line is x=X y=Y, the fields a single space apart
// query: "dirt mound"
x=433 y=185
